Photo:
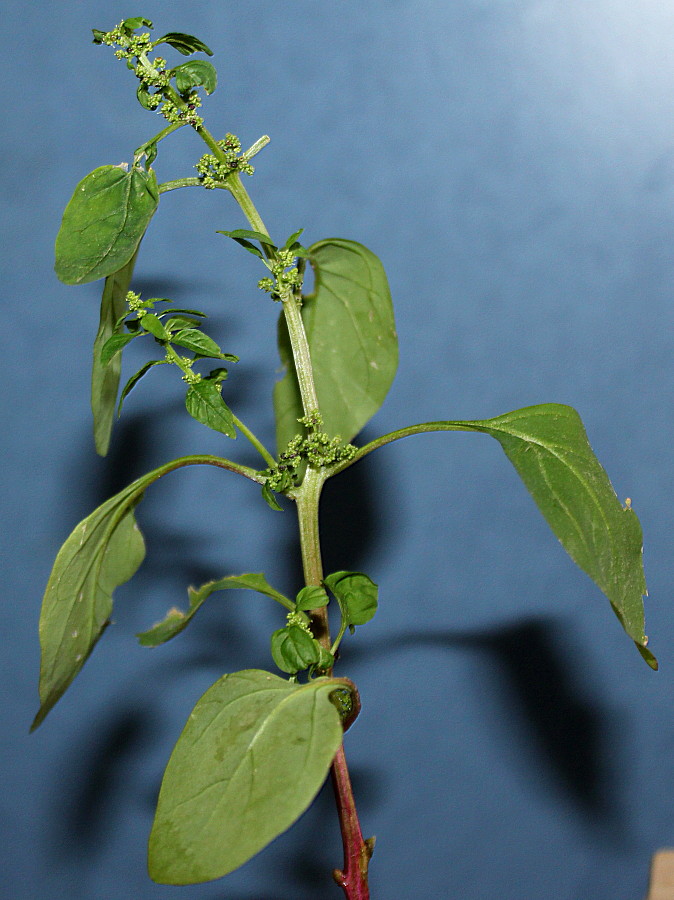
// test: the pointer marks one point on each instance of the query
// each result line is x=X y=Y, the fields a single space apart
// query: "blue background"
x=513 y=166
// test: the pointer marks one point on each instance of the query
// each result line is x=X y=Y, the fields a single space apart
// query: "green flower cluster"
x=317 y=449
x=152 y=74
x=214 y=171
x=287 y=277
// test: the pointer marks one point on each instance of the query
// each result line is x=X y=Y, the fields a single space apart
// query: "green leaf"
x=356 y=594
x=130 y=25
x=133 y=381
x=243 y=234
x=205 y=404
x=113 y=345
x=270 y=499
x=251 y=758
x=194 y=73
x=199 y=343
x=144 y=97
x=291 y=240
x=175 y=323
x=351 y=333
x=311 y=597
x=152 y=324
x=294 y=649
x=104 y=222
x=183 y=43
x=105 y=377
x=102 y=552
x=176 y=620
x=550 y=451
x=549 y=448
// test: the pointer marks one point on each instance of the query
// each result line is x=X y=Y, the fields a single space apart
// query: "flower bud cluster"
x=214 y=171
x=317 y=449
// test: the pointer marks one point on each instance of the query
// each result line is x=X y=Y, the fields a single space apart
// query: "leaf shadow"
x=538 y=685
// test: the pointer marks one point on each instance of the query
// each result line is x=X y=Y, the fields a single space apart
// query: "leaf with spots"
x=251 y=758
x=352 y=340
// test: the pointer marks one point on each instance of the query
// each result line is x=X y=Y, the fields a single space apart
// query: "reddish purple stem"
x=357 y=852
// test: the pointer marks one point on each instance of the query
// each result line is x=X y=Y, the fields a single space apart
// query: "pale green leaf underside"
x=352 y=340
x=176 y=620
x=549 y=448
x=105 y=377
x=251 y=758
x=104 y=222
x=102 y=552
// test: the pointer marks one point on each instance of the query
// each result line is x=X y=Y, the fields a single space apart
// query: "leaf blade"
x=104 y=222
x=352 y=340
x=205 y=404
x=251 y=758
x=176 y=620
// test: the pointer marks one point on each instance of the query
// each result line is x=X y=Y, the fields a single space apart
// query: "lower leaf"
x=251 y=758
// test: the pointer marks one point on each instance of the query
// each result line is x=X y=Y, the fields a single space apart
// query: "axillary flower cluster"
x=316 y=449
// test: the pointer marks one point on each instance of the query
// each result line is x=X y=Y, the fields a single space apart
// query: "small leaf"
x=352 y=340
x=105 y=378
x=251 y=758
x=134 y=23
x=152 y=324
x=184 y=43
x=104 y=222
x=176 y=620
x=175 y=323
x=144 y=97
x=294 y=649
x=356 y=594
x=187 y=312
x=113 y=345
x=246 y=234
x=291 y=240
x=194 y=73
x=133 y=381
x=270 y=499
x=205 y=404
x=311 y=597
x=198 y=343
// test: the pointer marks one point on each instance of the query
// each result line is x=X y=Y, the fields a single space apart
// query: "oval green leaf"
x=352 y=340
x=356 y=594
x=198 y=342
x=253 y=755
x=194 y=73
x=205 y=404
x=293 y=649
x=104 y=222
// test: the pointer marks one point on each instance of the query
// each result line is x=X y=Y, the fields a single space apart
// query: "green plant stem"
x=179 y=183
x=259 y=446
x=356 y=852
